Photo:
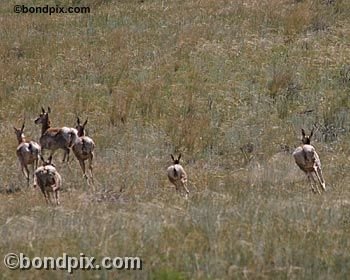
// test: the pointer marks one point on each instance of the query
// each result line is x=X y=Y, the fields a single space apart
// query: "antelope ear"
x=179 y=157
x=172 y=157
x=85 y=122
x=42 y=159
x=49 y=159
x=49 y=109
x=303 y=132
x=15 y=129
x=42 y=109
x=312 y=132
x=78 y=121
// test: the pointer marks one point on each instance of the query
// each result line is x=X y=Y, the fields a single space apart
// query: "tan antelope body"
x=49 y=180
x=27 y=153
x=308 y=161
x=83 y=149
x=55 y=138
x=177 y=175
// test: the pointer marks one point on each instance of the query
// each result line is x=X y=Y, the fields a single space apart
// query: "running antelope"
x=27 y=153
x=83 y=149
x=308 y=161
x=49 y=180
x=177 y=175
x=55 y=138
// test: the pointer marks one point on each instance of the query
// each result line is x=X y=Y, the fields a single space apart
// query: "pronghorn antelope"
x=83 y=149
x=49 y=180
x=27 y=152
x=55 y=138
x=177 y=175
x=308 y=160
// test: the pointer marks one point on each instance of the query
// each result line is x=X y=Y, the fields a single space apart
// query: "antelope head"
x=43 y=117
x=19 y=133
x=176 y=161
x=306 y=140
x=81 y=127
x=47 y=162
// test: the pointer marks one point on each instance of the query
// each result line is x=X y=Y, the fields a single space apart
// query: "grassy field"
x=205 y=78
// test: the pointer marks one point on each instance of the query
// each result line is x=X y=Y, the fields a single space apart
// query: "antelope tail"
x=30 y=147
x=84 y=150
